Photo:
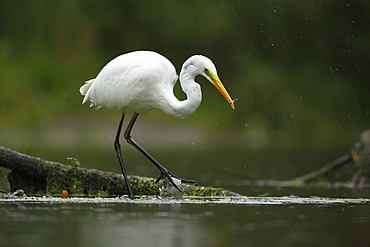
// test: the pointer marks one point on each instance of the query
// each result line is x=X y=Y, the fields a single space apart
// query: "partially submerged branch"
x=352 y=168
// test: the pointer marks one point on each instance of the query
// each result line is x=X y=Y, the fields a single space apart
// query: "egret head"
x=205 y=67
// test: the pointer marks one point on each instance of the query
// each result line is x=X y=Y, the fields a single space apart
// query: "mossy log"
x=38 y=176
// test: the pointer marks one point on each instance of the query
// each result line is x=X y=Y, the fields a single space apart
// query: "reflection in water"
x=162 y=225
x=182 y=225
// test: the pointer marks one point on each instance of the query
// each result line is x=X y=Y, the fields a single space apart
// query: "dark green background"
x=300 y=69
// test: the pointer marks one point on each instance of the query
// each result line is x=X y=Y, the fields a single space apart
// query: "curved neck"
x=184 y=108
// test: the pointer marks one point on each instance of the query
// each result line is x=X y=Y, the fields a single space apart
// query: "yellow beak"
x=218 y=84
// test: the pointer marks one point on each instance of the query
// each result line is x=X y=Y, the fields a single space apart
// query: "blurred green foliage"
x=299 y=68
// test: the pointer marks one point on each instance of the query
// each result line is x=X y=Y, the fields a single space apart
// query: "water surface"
x=117 y=224
x=43 y=224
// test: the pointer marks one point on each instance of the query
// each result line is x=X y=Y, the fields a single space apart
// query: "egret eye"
x=207 y=72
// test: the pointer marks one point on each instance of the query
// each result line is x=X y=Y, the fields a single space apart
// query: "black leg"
x=117 y=147
x=164 y=172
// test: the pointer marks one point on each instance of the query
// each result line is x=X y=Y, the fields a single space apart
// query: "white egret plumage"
x=143 y=80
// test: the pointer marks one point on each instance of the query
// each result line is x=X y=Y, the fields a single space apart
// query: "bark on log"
x=38 y=176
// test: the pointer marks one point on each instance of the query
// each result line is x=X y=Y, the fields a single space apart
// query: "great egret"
x=142 y=80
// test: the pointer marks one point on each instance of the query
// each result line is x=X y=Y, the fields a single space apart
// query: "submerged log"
x=38 y=176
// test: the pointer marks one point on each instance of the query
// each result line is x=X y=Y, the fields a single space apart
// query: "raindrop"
x=301 y=217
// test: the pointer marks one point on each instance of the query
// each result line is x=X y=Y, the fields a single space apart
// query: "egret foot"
x=168 y=190
x=175 y=180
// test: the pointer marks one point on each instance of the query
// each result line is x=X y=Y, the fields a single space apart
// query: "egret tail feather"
x=84 y=88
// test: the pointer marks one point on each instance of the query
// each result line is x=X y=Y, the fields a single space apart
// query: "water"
x=117 y=224
x=29 y=224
